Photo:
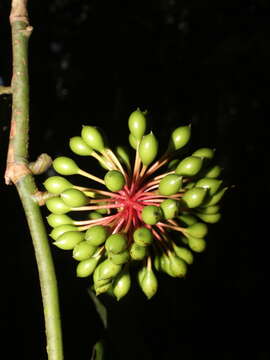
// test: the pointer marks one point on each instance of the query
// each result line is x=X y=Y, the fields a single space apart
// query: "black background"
x=93 y=62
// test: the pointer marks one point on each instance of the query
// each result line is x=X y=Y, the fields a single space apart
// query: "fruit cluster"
x=144 y=218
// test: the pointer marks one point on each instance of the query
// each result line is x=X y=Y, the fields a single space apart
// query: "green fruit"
x=215 y=198
x=148 y=148
x=119 y=259
x=187 y=219
x=83 y=251
x=141 y=274
x=114 y=180
x=157 y=262
x=194 y=197
x=57 y=206
x=189 y=185
x=165 y=265
x=59 y=230
x=65 y=166
x=93 y=138
x=69 y=240
x=108 y=270
x=179 y=138
x=74 y=198
x=178 y=266
x=190 y=166
x=79 y=146
x=196 y=244
x=209 y=210
x=123 y=155
x=133 y=141
x=212 y=185
x=149 y=284
x=172 y=165
x=170 y=184
x=151 y=214
x=183 y=253
x=103 y=289
x=213 y=172
x=93 y=215
x=96 y=235
x=209 y=218
x=57 y=184
x=170 y=208
x=121 y=284
x=204 y=153
x=198 y=230
x=137 y=124
x=96 y=277
x=86 y=267
x=55 y=220
x=137 y=252
x=116 y=243
x=143 y=236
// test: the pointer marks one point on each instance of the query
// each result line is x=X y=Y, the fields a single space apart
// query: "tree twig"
x=19 y=173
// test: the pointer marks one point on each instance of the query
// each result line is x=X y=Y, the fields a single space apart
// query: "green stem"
x=48 y=282
x=18 y=173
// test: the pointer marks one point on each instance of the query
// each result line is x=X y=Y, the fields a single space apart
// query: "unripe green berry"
x=57 y=206
x=209 y=210
x=102 y=289
x=137 y=252
x=209 y=218
x=149 y=284
x=137 y=124
x=170 y=208
x=187 y=219
x=183 y=253
x=204 y=153
x=143 y=236
x=114 y=180
x=86 y=267
x=79 y=146
x=170 y=184
x=178 y=266
x=215 y=199
x=65 y=166
x=93 y=215
x=57 y=184
x=172 y=165
x=189 y=166
x=116 y=243
x=165 y=265
x=179 y=138
x=74 y=198
x=194 y=197
x=212 y=185
x=148 y=148
x=121 y=284
x=96 y=235
x=119 y=259
x=93 y=137
x=69 y=240
x=141 y=273
x=151 y=214
x=198 y=230
x=157 y=262
x=108 y=270
x=55 y=220
x=189 y=185
x=61 y=229
x=133 y=141
x=123 y=155
x=213 y=172
x=83 y=251
x=196 y=244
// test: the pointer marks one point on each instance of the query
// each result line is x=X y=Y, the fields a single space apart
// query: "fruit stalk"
x=19 y=174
